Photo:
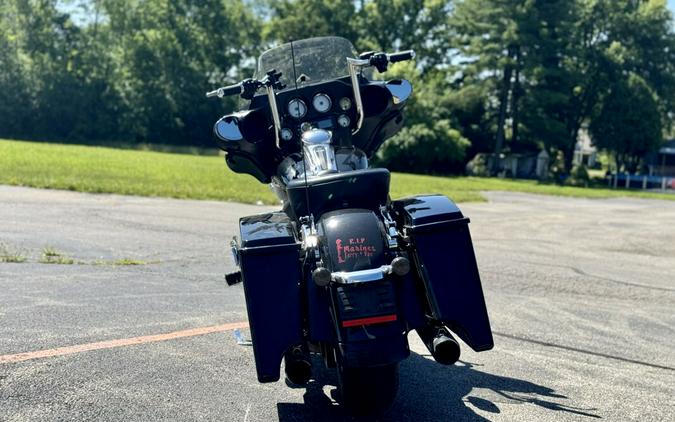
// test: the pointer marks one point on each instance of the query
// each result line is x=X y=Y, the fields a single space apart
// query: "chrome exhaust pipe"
x=442 y=346
x=297 y=366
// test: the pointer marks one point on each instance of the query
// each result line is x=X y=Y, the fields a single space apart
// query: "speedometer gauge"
x=321 y=103
x=297 y=108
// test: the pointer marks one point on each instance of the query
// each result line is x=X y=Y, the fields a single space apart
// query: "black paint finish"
x=270 y=267
x=443 y=254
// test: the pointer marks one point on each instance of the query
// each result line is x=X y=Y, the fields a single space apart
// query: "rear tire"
x=368 y=390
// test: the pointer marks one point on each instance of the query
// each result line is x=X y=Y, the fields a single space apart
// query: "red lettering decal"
x=338 y=244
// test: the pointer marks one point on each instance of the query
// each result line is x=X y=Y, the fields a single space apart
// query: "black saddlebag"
x=443 y=255
x=270 y=268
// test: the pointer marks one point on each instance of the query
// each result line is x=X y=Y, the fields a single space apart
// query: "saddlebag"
x=270 y=268
x=443 y=255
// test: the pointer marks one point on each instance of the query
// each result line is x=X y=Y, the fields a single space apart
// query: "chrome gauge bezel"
x=290 y=105
x=286 y=134
x=344 y=120
x=325 y=97
x=345 y=103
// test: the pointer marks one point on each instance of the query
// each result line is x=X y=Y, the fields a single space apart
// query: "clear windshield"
x=316 y=60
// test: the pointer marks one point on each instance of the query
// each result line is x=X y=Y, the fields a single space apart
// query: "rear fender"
x=368 y=322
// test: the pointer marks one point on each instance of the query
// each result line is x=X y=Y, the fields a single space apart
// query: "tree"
x=390 y=25
x=488 y=36
x=166 y=54
x=612 y=39
x=629 y=123
x=429 y=142
x=298 y=19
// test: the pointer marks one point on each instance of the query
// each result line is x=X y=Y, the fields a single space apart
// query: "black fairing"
x=270 y=267
x=251 y=153
x=446 y=265
x=256 y=153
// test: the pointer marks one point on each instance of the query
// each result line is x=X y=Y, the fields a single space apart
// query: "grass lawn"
x=146 y=173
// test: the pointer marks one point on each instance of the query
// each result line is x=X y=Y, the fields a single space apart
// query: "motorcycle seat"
x=367 y=189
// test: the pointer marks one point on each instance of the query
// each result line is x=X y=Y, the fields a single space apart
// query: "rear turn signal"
x=321 y=276
x=400 y=266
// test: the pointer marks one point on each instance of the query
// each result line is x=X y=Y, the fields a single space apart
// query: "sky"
x=69 y=7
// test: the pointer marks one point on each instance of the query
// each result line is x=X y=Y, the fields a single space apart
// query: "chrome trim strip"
x=354 y=66
x=272 y=99
x=361 y=276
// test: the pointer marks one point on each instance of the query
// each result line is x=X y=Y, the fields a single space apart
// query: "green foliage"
x=546 y=64
x=10 y=255
x=136 y=70
x=107 y=170
x=490 y=75
x=429 y=142
x=628 y=122
x=51 y=255
x=298 y=19
x=578 y=177
x=420 y=148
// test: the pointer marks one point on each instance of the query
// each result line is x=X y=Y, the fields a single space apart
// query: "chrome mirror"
x=227 y=129
x=400 y=90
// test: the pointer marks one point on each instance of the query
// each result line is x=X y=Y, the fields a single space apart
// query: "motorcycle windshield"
x=316 y=60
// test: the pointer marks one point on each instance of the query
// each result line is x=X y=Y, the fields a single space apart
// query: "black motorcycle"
x=343 y=271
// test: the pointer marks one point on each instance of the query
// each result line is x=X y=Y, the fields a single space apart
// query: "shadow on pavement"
x=431 y=392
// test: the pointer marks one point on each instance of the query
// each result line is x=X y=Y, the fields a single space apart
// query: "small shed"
x=663 y=163
x=584 y=151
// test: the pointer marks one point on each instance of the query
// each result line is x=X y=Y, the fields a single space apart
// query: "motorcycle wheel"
x=368 y=391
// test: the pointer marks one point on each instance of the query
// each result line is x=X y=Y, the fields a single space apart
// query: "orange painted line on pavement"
x=111 y=344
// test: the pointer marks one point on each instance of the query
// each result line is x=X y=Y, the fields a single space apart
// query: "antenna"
x=302 y=148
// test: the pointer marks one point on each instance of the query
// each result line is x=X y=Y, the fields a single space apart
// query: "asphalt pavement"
x=581 y=296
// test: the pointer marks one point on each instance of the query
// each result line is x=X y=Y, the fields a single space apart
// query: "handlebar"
x=381 y=61
x=247 y=89
x=226 y=91
x=401 y=56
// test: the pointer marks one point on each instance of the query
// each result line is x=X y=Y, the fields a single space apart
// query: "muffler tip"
x=298 y=370
x=446 y=349
x=442 y=346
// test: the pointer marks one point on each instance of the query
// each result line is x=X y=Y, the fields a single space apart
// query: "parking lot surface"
x=581 y=296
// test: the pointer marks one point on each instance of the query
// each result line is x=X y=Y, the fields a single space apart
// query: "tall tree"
x=297 y=19
x=615 y=38
x=629 y=122
x=489 y=39
x=167 y=53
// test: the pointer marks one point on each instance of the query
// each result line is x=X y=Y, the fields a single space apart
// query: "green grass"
x=147 y=173
x=122 y=261
x=467 y=188
x=10 y=255
x=53 y=256
x=128 y=172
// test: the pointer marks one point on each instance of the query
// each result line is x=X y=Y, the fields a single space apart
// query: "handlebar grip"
x=225 y=91
x=401 y=56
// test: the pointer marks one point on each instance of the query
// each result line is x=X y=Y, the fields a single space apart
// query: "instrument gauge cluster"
x=321 y=103
x=329 y=108
x=297 y=108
